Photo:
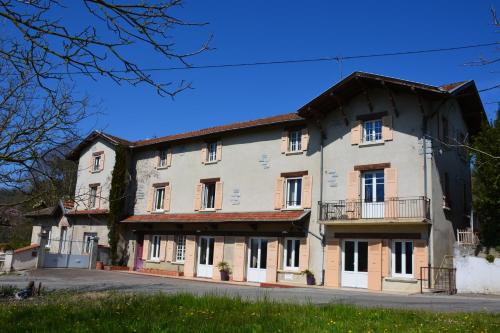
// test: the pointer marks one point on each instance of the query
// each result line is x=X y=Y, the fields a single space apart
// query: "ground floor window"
x=155 y=247
x=48 y=231
x=291 y=253
x=180 y=250
x=88 y=239
x=402 y=258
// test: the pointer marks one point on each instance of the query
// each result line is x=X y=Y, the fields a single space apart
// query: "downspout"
x=430 y=231
x=321 y=226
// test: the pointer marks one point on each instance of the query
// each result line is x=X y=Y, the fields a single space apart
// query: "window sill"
x=401 y=279
x=292 y=208
x=153 y=261
x=93 y=171
x=298 y=152
x=207 y=210
x=212 y=162
x=161 y=167
x=177 y=263
x=295 y=271
x=370 y=144
x=158 y=212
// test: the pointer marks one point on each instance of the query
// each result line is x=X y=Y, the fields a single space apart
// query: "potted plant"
x=224 y=270
x=311 y=281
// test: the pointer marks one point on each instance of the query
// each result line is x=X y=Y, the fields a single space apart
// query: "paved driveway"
x=85 y=280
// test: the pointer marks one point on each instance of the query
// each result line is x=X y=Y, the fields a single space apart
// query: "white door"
x=205 y=257
x=373 y=195
x=355 y=264
x=257 y=260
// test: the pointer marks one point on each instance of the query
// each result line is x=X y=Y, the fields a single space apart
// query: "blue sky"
x=246 y=31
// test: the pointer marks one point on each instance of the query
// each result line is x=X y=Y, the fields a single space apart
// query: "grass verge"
x=105 y=312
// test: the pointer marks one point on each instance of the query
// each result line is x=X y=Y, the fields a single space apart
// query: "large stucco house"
x=362 y=186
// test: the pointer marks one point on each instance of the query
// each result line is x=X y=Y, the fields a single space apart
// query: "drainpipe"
x=429 y=231
x=321 y=226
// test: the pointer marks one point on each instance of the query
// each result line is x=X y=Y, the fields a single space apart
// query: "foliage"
x=224 y=267
x=117 y=199
x=486 y=182
x=490 y=258
x=307 y=272
x=186 y=313
x=7 y=291
x=14 y=244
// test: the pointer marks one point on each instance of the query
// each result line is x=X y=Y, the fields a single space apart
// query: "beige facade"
x=355 y=190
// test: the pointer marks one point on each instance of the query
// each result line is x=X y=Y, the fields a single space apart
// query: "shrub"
x=490 y=258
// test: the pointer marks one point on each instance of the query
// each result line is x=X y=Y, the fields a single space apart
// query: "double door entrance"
x=205 y=267
x=355 y=263
x=257 y=260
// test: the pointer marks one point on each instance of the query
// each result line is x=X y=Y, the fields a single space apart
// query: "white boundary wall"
x=476 y=275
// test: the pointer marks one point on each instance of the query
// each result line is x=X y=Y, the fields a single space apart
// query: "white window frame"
x=87 y=237
x=205 y=196
x=93 y=196
x=403 y=273
x=295 y=141
x=373 y=136
x=162 y=158
x=212 y=152
x=49 y=236
x=295 y=247
x=154 y=248
x=180 y=248
x=158 y=206
x=96 y=163
x=287 y=192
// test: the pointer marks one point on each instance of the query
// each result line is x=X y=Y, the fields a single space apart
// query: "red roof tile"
x=27 y=248
x=220 y=217
x=224 y=128
x=88 y=212
x=452 y=86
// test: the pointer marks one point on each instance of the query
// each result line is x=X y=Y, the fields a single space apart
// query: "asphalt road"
x=85 y=280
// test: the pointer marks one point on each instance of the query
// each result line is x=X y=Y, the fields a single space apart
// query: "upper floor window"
x=292 y=253
x=402 y=258
x=208 y=196
x=93 y=196
x=295 y=141
x=97 y=162
x=180 y=251
x=155 y=247
x=372 y=130
x=212 y=152
x=159 y=199
x=162 y=158
x=294 y=192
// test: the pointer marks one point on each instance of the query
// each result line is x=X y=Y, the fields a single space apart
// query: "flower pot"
x=311 y=281
x=99 y=265
x=224 y=276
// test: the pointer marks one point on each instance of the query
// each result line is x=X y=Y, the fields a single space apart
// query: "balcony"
x=411 y=209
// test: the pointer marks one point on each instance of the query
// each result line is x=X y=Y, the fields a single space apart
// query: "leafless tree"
x=42 y=48
x=42 y=41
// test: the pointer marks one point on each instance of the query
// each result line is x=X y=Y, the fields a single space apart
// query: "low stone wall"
x=476 y=274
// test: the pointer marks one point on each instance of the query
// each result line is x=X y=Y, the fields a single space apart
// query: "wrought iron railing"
x=436 y=279
x=394 y=208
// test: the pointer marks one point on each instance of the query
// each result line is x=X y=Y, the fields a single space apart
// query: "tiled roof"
x=452 y=86
x=27 y=248
x=285 y=216
x=49 y=211
x=224 y=128
x=87 y=212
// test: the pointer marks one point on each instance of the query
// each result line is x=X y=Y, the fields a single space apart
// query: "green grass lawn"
x=184 y=313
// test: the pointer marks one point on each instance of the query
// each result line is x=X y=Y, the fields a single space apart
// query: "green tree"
x=117 y=199
x=486 y=181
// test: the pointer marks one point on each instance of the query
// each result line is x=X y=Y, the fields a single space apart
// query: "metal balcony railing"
x=394 y=208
